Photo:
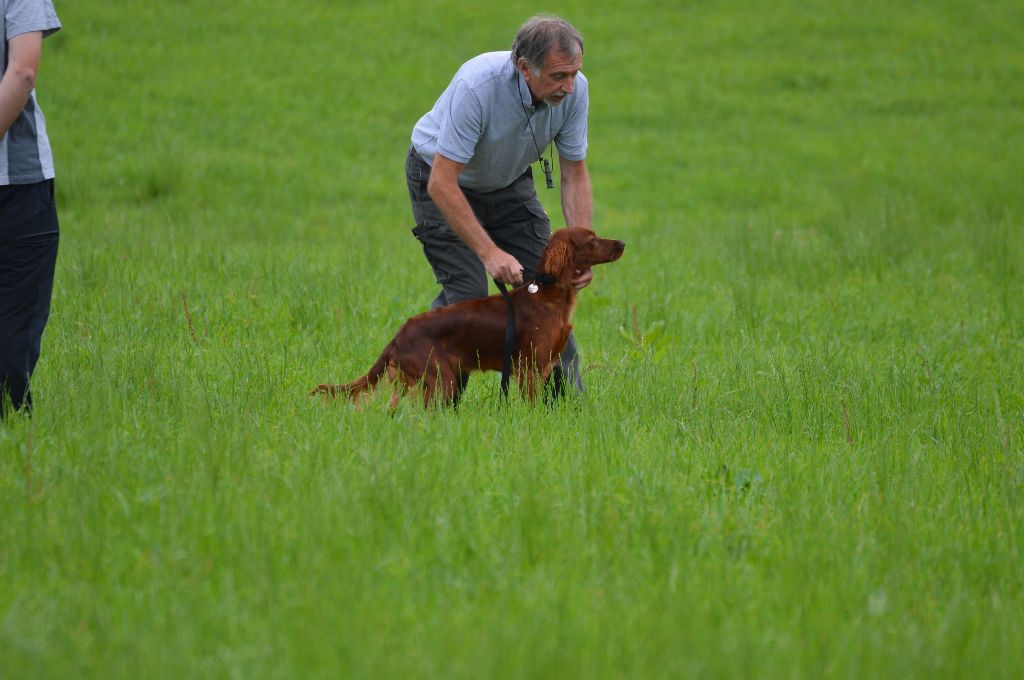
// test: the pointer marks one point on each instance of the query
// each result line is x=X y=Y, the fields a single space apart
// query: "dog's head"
x=577 y=248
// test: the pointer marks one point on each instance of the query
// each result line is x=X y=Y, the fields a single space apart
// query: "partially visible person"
x=28 y=214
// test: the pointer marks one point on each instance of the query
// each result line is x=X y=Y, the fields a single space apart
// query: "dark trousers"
x=514 y=219
x=29 y=233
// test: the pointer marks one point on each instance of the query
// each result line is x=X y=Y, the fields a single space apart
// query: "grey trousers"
x=517 y=223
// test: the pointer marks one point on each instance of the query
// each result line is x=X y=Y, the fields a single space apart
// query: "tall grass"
x=800 y=452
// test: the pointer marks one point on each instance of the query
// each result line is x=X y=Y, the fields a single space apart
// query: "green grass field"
x=801 y=450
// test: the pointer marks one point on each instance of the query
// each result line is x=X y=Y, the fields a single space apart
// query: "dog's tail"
x=364 y=384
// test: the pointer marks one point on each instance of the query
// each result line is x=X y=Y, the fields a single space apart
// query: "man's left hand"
x=582 y=279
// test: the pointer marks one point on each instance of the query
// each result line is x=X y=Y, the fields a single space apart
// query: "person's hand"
x=582 y=278
x=503 y=267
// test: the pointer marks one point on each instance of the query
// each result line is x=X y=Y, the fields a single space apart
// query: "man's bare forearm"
x=453 y=204
x=577 y=195
x=445 y=192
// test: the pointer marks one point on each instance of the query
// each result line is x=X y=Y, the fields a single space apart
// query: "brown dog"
x=435 y=348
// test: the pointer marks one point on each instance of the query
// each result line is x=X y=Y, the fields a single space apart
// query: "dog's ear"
x=559 y=261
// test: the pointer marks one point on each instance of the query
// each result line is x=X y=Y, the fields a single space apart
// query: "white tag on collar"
x=533 y=288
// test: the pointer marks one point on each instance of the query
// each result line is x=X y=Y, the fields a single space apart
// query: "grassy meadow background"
x=801 y=450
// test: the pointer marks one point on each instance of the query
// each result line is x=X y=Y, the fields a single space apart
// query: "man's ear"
x=523 y=68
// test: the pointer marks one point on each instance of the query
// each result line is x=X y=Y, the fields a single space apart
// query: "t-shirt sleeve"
x=571 y=140
x=461 y=125
x=26 y=16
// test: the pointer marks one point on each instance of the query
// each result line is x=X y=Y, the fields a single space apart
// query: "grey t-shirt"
x=25 y=155
x=486 y=119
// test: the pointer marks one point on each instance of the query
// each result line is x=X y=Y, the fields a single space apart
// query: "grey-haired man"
x=468 y=169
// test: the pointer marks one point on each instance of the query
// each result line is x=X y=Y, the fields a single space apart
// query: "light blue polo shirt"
x=484 y=119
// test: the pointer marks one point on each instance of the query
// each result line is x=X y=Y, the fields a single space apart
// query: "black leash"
x=532 y=278
x=510 y=339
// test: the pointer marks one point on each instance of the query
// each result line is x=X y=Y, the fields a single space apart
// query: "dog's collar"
x=530 y=276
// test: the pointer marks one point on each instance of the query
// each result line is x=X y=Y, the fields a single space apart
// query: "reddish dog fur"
x=436 y=347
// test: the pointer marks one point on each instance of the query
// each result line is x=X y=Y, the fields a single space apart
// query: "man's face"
x=556 y=78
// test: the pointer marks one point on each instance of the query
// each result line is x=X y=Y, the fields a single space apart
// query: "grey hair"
x=542 y=33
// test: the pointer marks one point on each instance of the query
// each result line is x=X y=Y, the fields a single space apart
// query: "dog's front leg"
x=527 y=379
x=530 y=375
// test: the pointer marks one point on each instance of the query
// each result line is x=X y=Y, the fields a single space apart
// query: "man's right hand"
x=503 y=267
x=443 y=188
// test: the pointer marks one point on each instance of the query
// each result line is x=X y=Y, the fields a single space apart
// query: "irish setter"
x=435 y=348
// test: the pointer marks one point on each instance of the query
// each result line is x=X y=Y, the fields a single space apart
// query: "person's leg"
x=29 y=235
x=45 y=245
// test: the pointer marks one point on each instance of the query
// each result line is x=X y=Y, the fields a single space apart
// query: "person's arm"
x=577 y=196
x=443 y=188
x=23 y=53
x=577 y=205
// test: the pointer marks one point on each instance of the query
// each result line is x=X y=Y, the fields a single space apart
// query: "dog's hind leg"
x=399 y=386
x=396 y=396
x=442 y=383
x=459 y=386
